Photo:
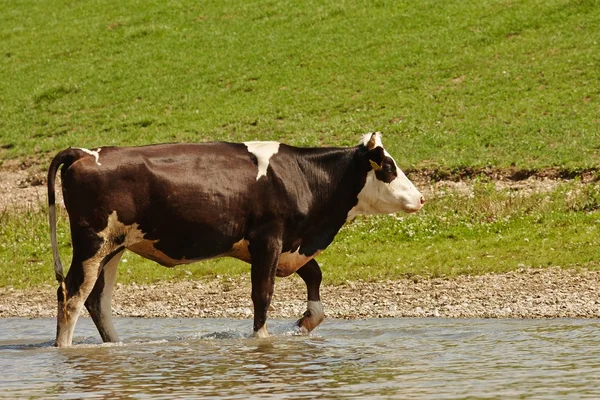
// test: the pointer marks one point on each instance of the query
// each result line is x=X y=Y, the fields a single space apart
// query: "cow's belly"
x=174 y=249
x=146 y=249
x=291 y=262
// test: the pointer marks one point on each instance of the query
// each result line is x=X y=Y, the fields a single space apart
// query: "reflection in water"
x=405 y=358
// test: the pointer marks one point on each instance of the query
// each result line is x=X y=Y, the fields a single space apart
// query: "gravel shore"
x=526 y=293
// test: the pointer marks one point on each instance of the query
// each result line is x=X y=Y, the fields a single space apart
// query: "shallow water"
x=385 y=358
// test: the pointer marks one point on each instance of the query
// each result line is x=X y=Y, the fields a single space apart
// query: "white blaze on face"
x=95 y=154
x=263 y=152
x=379 y=197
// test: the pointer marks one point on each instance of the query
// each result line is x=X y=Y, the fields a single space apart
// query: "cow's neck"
x=338 y=180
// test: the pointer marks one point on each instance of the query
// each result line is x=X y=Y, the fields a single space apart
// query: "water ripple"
x=387 y=358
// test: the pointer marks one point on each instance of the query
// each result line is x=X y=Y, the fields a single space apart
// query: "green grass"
x=491 y=231
x=452 y=83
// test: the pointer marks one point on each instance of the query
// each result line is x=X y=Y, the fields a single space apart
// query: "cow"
x=271 y=205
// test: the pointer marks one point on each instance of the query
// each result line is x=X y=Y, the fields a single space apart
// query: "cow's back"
x=199 y=193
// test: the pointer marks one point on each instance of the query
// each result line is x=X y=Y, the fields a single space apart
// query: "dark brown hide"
x=179 y=203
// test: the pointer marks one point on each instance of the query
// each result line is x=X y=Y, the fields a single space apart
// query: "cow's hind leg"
x=314 y=315
x=89 y=254
x=98 y=302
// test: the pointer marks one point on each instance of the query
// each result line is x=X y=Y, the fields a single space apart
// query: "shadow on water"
x=23 y=344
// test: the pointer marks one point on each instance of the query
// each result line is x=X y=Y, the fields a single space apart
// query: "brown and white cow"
x=269 y=204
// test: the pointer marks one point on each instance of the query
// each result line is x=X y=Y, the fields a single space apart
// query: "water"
x=381 y=358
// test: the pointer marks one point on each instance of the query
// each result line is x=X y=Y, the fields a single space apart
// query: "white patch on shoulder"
x=95 y=153
x=263 y=152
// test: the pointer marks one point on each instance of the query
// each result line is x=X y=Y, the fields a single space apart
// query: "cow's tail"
x=66 y=158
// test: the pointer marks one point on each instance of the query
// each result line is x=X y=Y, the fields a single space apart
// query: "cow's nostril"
x=422 y=200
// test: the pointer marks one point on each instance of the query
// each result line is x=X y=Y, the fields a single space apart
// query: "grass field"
x=451 y=84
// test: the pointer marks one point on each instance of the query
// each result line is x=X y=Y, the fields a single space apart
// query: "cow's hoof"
x=262 y=332
x=313 y=316
x=300 y=329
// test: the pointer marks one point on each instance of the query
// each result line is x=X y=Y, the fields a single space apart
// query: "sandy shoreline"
x=526 y=293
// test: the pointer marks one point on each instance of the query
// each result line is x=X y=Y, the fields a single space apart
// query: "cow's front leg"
x=314 y=315
x=265 y=257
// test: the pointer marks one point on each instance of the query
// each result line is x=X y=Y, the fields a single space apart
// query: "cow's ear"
x=376 y=156
x=372 y=143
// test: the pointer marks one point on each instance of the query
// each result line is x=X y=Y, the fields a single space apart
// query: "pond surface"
x=385 y=358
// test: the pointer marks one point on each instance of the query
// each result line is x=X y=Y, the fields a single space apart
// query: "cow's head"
x=387 y=189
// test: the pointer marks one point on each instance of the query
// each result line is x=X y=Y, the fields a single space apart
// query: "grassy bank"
x=489 y=231
x=452 y=83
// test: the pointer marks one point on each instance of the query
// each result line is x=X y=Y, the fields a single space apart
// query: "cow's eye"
x=386 y=168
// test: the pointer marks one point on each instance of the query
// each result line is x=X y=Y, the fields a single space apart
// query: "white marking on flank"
x=131 y=234
x=96 y=153
x=127 y=235
x=263 y=152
